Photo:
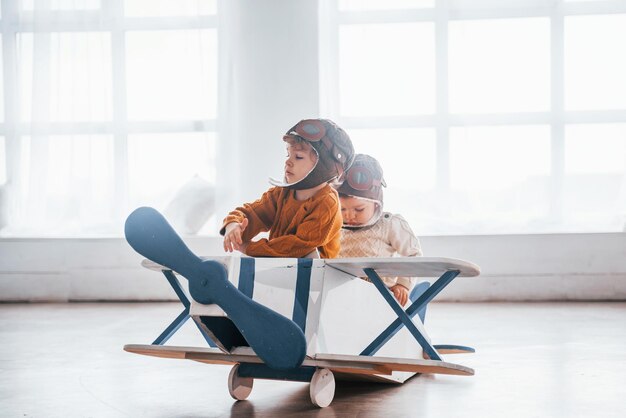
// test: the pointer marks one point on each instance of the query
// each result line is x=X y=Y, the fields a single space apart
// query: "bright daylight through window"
x=487 y=116
x=109 y=105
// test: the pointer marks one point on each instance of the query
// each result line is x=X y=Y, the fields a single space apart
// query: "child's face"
x=356 y=211
x=301 y=159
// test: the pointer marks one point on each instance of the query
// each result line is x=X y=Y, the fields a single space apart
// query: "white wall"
x=538 y=267
x=269 y=73
x=514 y=267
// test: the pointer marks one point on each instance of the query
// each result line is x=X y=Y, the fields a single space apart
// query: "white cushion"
x=192 y=206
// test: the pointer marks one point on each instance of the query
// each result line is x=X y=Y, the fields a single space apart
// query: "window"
x=594 y=70
x=593 y=188
x=3 y=163
x=487 y=116
x=108 y=105
x=409 y=88
x=186 y=60
x=499 y=65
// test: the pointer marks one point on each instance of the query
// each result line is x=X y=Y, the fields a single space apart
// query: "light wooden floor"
x=532 y=360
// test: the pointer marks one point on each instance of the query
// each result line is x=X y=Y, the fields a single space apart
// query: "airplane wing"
x=385 y=267
x=404 y=266
x=151 y=265
x=343 y=364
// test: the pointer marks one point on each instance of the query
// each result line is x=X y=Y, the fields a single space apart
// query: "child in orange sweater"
x=302 y=212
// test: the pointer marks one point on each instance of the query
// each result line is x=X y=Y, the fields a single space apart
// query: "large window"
x=487 y=116
x=108 y=105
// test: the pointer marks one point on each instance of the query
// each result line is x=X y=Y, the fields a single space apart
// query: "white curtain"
x=115 y=108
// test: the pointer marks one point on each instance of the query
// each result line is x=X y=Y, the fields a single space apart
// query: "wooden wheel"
x=322 y=388
x=239 y=387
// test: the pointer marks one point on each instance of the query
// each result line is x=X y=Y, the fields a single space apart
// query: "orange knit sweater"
x=296 y=227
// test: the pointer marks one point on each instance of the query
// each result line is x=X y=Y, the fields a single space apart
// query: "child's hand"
x=401 y=293
x=232 y=237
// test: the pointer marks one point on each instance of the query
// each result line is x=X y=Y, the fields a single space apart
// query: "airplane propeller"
x=277 y=340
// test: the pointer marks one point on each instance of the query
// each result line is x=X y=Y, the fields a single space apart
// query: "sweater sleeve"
x=406 y=244
x=260 y=214
x=315 y=230
x=402 y=238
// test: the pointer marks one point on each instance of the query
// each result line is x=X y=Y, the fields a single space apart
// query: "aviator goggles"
x=310 y=129
x=362 y=178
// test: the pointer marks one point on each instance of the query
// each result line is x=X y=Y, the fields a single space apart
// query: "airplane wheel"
x=239 y=387
x=322 y=388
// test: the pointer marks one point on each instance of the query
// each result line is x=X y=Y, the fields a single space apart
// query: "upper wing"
x=405 y=266
x=385 y=267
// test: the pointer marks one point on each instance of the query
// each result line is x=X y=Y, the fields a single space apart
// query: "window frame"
x=444 y=12
x=108 y=18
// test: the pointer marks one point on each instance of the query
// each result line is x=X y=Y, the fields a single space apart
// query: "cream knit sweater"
x=390 y=236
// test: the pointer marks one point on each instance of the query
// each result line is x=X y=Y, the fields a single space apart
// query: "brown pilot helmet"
x=333 y=147
x=364 y=179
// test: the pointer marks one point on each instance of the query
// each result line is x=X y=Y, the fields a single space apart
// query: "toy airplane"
x=305 y=320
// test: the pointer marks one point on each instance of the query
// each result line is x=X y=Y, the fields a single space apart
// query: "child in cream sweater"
x=367 y=230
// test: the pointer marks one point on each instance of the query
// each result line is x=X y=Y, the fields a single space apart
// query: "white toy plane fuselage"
x=296 y=319
x=341 y=315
